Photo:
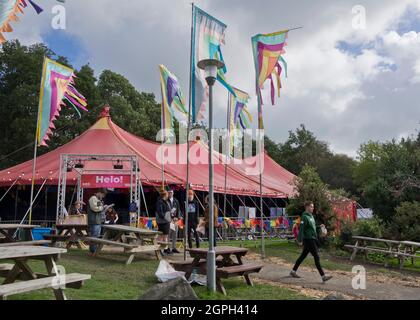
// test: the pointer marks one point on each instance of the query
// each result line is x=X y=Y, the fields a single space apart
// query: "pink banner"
x=105 y=181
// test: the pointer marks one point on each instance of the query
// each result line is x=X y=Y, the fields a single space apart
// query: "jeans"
x=95 y=232
x=173 y=235
x=309 y=246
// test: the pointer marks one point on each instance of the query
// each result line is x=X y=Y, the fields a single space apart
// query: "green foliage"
x=310 y=188
x=345 y=235
x=388 y=174
x=369 y=228
x=406 y=223
x=20 y=76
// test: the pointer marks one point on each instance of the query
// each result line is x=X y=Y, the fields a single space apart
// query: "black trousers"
x=192 y=227
x=309 y=246
x=214 y=233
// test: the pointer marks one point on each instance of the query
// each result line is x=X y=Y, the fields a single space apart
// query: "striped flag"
x=173 y=102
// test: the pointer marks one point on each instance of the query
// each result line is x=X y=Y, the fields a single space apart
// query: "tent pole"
x=7 y=191
x=16 y=202
x=187 y=185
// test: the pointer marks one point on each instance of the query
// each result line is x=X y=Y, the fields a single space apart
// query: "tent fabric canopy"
x=106 y=138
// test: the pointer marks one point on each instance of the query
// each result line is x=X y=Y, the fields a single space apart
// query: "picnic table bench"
x=7 y=232
x=25 y=243
x=20 y=270
x=226 y=267
x=394 y=249
x=132 y=240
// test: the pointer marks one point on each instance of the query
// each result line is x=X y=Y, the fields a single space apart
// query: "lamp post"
x=210 y=66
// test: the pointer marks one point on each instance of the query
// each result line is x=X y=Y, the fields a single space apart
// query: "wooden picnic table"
x=225 y=265
x=8 y=230
x=20 y=270
x=72 y=234
x=132 y=240
x=397 y=249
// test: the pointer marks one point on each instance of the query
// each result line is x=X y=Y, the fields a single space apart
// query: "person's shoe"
x=175 y=250
x=294 y=274
x=168 y=251
x=325 y=278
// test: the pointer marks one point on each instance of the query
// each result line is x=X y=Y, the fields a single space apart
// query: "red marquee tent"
x=106 y=138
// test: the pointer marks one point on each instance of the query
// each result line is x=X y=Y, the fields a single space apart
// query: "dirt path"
x=379 y=286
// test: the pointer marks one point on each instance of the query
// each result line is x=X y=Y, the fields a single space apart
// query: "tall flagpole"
x=36 y=144
x=187 y=186
x=228 y=149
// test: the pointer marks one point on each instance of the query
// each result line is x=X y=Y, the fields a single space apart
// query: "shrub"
x=369 y=228
x=406 y=223
x=345 y=235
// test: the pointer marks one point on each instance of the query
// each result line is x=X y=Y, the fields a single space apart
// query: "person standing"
x=207 y=218
x=175 y=215
x=95 y=209
x=308 y=235
x=193 y=211
x=163 y=217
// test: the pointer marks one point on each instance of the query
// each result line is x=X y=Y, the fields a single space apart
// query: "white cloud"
x=345 y=97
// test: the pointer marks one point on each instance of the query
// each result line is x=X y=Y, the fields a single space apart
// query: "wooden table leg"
x=53 y=271
x=130 y=259
x=248 y=280
x=353 y=255
x=13 y=274
x=220 y=287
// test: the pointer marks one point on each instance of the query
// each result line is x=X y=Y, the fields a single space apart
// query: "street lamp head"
x=210 y=66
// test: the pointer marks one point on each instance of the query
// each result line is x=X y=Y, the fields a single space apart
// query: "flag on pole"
x=56 y=85
x=239 y=116
x=8 y=13
x=208 y=37
x=267 y=50
x=173 y=102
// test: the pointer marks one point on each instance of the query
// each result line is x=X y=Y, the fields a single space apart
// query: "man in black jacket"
x=175 y=214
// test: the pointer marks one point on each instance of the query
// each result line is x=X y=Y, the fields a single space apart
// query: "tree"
x=388 y=174
x=302 y=148
x=405 y=225
x=20 y=76
x=309 y=187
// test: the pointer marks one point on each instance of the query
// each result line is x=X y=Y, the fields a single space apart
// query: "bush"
x=369 y=228
x=406 y=223
x=346 y=234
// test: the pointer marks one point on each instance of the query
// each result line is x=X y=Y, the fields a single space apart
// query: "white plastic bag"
x=166 y=272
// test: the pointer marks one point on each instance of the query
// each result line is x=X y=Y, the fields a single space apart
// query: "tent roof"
x=106 y=138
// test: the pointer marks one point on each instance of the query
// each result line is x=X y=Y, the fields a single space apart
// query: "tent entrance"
x=99 y=171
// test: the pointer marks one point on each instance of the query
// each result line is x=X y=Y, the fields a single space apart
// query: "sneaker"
x=175 y=250
x=167 y=251
x=325 y=278
x=294 y=274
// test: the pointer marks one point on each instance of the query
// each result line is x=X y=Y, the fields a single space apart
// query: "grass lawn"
x=112 y=279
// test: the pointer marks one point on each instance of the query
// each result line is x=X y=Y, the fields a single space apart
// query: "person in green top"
x=308 y=236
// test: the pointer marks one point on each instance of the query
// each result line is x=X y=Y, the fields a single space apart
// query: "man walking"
x=175 y=215
x=308 y=235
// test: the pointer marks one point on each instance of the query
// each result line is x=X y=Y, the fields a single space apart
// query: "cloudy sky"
x=348 y=81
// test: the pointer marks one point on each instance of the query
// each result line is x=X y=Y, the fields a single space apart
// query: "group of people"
x=168 y=212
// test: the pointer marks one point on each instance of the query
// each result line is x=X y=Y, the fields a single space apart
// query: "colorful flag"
x=8 y=13
x=267 y=50
x=173 y=101
x=56 y=84
x=239 y=116
x=208 y=37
